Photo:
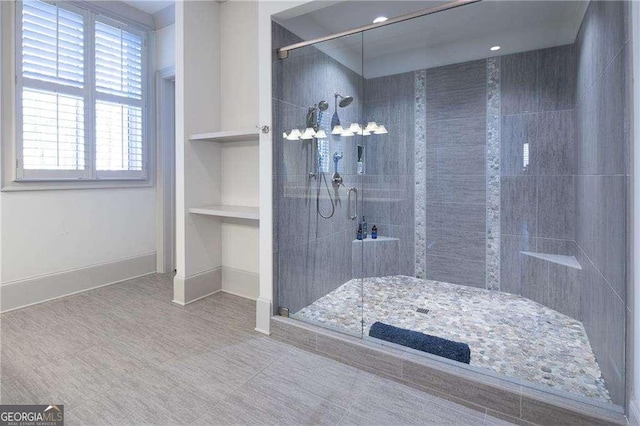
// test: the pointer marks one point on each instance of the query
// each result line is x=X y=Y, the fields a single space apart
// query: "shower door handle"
x=355 y=216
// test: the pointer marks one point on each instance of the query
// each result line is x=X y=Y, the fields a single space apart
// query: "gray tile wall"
x=456 y=101
x=388 y=182
x=312 y=255
x=601 y=183
x=538 y=175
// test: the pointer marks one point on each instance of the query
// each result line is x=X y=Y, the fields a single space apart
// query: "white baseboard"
x=30 y=291
x=241 y=283
x=263 y=316
x=189 y=289
x=634 y=412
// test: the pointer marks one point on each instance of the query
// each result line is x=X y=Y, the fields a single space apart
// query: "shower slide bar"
x=283 y=52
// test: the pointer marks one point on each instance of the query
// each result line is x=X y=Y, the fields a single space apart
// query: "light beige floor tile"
x=209 y=374
x=387 y=402
x=158 y=398
x=278 y=403
x=72 y=379
x=124 y=354
x=333 y=381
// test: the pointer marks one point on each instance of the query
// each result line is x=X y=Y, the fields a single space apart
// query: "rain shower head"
x=345 y=101
x=323 y=105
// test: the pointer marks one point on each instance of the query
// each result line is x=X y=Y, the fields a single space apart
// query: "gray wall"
x=312 y=255
x=387 y=185
x=602 y=168
x=538 y=199
x=456 y=99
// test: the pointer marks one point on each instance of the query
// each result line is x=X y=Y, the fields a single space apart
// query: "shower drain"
x=422 y=310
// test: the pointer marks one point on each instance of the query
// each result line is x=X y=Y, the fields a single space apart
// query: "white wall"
x=46 y=232
x=199 y=257
x=240 y=165
x=53 y=232
x=166 y=47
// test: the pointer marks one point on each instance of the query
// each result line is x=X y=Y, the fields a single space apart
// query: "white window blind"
x=52 y=44
x=118 y=60
x=81 y=95
x=53 y=131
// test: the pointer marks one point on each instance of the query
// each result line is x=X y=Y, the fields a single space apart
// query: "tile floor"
x=508 y=334
x=124 y=354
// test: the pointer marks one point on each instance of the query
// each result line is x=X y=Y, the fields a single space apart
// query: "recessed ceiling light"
x=380 y=19
x=495 y=48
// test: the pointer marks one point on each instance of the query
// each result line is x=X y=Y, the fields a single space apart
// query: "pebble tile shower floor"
x=508 y=334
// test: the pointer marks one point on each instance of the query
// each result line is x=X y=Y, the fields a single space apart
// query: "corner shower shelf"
x=568 y=261
x=228 y=136
x=374 y=240
x=240 y=212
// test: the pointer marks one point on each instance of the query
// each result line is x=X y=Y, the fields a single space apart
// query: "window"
x=80 y=95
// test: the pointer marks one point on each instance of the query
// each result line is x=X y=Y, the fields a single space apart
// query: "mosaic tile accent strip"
x=420 y=173
x=493 y=174
x=508 y=334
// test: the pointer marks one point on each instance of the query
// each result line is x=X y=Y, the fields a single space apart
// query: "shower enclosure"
x=496 y=181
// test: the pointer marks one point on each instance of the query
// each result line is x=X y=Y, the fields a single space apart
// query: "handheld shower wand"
x=336 y=178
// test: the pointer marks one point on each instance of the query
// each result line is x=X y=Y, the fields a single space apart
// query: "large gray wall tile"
x=519 y=141
x=556 y=78
x=456 y=271
x=603 y=316
x=459 y=132
x=451 y=78
x=456 y=91
x=602 y=155
x=456 y=244
x=602 y=228
x=556 y=143
x=461 y=160
x=534 y=277
x=461 y=217
x=510 y=261
x=518 y=205
x=462 y=188
x=518 y=83
x=556 y=207
x=456 y=104
x=604 y=29
x=406 y=248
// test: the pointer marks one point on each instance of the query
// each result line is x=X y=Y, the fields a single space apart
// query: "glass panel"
x=482 y=207
x=496 y=188
x=317 y=190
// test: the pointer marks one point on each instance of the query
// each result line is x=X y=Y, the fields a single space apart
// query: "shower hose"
x=321 y=176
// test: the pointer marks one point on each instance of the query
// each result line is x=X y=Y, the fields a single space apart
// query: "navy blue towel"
x=423 y=342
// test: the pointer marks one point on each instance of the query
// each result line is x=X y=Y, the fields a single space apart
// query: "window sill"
x=17 y=186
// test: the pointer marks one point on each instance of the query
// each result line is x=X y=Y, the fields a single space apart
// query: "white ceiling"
x=459 y=35
x=149 y=6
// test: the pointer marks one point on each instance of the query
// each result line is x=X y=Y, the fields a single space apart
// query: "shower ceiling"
x=454 y=36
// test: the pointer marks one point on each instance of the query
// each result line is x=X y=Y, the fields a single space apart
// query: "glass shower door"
x=317 y=107
x=389 y=118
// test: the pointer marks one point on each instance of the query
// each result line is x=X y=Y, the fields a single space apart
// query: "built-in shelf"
x=228 y=136
x=560 y=259
x=240 y=212
x=376 y=240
